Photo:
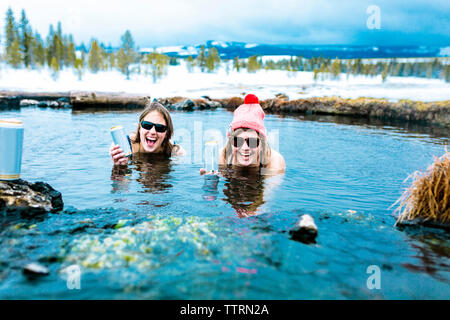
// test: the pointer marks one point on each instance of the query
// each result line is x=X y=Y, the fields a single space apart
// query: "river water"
x=158 y=230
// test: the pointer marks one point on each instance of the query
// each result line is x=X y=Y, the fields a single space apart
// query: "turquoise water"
x=156 y=230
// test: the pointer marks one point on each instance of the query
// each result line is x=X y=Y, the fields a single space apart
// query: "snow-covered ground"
x=222 y=84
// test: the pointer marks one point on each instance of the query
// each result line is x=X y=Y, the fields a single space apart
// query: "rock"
x=34 y=269
x=9 y=102
x=43 y=104
x=63 y=100
x=214 y=104
x=186 y=105
x=28 y=102
x=32 y=198
x=53 y=104
x=305 y=230
x=282 y=96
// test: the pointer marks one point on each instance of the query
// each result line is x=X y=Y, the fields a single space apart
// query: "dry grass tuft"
x=428 y=197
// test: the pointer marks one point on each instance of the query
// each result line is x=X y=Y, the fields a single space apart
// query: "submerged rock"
x=35 y=270
x=34 y=198
x=305 y=230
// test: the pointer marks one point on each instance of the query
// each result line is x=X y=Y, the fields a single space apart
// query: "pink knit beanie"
x=249 y=115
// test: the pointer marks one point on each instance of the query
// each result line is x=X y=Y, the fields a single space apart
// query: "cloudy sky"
x=171 y=22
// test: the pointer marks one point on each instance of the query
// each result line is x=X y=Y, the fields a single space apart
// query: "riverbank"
x=179 y=80
x=437 y=113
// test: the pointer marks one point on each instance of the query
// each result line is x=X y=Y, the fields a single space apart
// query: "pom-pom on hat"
x=249 y=115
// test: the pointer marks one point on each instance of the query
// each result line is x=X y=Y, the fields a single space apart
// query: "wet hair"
x=264 y=154
x=168 y=147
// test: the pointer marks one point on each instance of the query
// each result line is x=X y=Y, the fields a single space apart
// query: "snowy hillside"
x=227 y=82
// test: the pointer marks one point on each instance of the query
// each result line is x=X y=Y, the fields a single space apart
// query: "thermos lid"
x=10 y=123
x=116 y=127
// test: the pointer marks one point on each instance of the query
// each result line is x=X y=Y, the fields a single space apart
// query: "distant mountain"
x=229 y=50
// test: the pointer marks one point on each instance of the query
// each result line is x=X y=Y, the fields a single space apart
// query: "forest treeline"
x=24 y=47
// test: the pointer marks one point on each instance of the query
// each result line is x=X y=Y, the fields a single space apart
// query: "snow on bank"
x=222 y=84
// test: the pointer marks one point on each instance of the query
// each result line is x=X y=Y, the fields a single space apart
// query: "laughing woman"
x=154 y=131
x=247 y=149
x=247 y=146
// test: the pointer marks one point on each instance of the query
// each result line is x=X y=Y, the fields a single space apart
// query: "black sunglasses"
x=251 y=142
x=149 y=125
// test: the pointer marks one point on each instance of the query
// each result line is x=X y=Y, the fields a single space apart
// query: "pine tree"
x=95 y=58
x=447 y=73
x=38 y=49
x=79 y=67
x=430 y=70
x=122 y=61
x=127 y=55
x=112 y=60
x=253 y=65
x=158 y=63
x=54 y=66
x=348 y=69
x=323 y=69
x=201 y=59
x=213 y=59
x=11 y=35
x=385 y=72
x=316 y=74
x=70 y=54
x=15 y=55
x=336 y=68
x=26 y=38
x=50 y=52
x=58 y=46
x=236 y=64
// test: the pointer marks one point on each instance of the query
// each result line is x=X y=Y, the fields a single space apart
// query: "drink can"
x=119 y=138
x=11 y=142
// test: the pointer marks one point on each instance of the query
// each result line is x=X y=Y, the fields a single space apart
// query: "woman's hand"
x=117 y=155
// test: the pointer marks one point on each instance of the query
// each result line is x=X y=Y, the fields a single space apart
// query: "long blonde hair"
x=167 y=146
x=264 y=154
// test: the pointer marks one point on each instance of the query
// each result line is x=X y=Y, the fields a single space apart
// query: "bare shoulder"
x=180 y=151
x=277 y=162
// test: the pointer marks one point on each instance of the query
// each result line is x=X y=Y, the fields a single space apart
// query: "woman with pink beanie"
x=247 y=145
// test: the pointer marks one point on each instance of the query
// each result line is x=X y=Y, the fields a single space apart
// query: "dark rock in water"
x=187 y=105
x=63 y=100
x=305 y=230
x=34 y=198
x=9 y=102
x=35 y=270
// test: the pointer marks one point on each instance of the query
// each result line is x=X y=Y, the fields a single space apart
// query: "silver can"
x=119 y=138
x=11 y=142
